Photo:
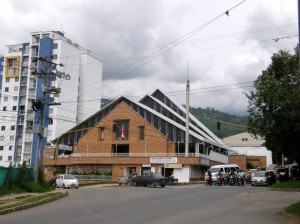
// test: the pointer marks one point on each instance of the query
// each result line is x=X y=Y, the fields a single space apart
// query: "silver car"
x=260 y=178
x=66 y=181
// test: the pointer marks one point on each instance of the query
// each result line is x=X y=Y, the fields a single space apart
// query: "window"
x=14 y=108
x=12 y=127
x=122 y=128
x=46 y=35
x=15 y=98
x=17 y=79
x=142 y=132
x=244 y=139
x=16 y=88
x=50 y=121
x=11 y=137
x=51 y=110
x=10 y=148
x=1 y=138
x=4 y=108
x=7 y=80
x=1 y=147
x=51 y=100
x=5 y=98
x=2 y=128
x=1 y=158
x=54 y=57
x=55 y=45
x=12 y=66
x=102 y=133
x=6 y=89
x=9 y=158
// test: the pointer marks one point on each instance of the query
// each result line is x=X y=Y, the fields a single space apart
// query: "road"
x=189 y=204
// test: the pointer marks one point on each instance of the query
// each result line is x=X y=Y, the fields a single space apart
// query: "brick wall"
x=242 y=160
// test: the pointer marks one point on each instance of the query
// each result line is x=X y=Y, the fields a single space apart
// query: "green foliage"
x=251 y=166
x=210 y=116
x=30 y=186
x=274 y=108
x=41 y=174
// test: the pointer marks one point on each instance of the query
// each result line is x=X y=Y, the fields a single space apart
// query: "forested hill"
x=209 y=117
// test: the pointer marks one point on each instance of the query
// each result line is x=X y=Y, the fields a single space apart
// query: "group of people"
x=231 y=177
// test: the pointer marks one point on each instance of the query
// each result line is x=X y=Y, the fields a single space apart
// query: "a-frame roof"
x=197 y=129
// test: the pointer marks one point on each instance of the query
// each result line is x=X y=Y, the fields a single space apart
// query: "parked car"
x=124 y=180
x=282 y=174
x=152 y=179
x=66 y=181
x=260 y=178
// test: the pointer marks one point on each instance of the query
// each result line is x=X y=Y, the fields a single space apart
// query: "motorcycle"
x=240 y=181
x=208 y=180
x=232 y=180
x=219 y=180
x=172 y=181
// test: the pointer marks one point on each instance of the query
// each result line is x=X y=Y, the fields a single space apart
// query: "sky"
x=160 y=44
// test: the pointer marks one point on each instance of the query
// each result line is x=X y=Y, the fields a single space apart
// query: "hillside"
x=209 y=117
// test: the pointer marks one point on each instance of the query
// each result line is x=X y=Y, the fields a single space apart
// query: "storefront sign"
x=173 y=165
x=204 y=161
x=163 y=159
x=146 y=165
x=65 y=147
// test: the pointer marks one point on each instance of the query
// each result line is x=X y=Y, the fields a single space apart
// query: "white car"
x=66 y=181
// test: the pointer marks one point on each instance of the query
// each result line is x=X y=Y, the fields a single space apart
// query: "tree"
x=274 y=108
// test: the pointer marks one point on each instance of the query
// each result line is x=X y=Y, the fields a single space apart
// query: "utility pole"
x=187 y=118
x=41 y=106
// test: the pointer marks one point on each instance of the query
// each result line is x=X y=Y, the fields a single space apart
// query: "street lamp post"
x=87 y=149
x=178 y=142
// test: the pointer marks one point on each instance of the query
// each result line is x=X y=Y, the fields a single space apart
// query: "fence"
x=15 y=175
x=93 y=177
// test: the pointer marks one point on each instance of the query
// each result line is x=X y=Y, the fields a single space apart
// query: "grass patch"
x=287 y=184
x=25 y=186
x=32 y=200
x=13 y=190
x=294 y=210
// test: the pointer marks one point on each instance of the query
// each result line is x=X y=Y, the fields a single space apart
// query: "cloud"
x=135 y=40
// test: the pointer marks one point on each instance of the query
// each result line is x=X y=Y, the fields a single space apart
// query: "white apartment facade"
x=26 y=79
x=245 y=144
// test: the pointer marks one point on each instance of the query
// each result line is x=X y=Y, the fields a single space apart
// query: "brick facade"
x=242 y=160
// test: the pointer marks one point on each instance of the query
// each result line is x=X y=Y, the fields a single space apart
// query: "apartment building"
x=145 y=136
x=53 y=72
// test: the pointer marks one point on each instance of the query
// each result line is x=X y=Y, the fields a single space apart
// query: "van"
x=223 y=169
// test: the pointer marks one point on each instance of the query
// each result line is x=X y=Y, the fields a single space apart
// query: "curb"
x=30 y=205
x=284 y=189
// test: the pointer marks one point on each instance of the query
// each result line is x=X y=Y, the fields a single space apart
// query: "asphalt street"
x=170 y=205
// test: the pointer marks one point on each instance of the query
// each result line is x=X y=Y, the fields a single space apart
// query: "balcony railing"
x=79 y=155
